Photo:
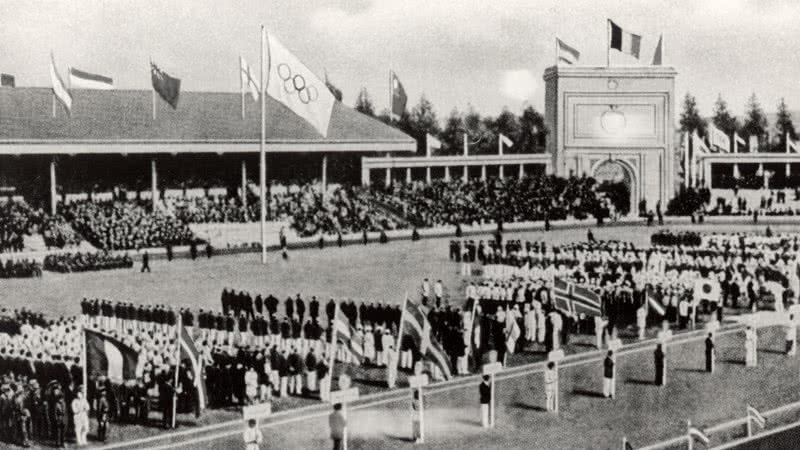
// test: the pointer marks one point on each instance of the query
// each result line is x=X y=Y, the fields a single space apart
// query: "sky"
x=478 y=53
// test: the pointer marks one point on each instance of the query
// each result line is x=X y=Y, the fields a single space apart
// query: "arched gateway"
x=616 y=124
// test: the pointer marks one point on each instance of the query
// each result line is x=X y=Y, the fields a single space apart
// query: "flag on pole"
x=107 y=356
x=653 y=304
x=346 y=335
x=657 y=55
x=706 y=289
x=512 y=332
x=191 y=355
x=624 y=41
x=719 y=139
x=59 y=88
x=698 y=144
x=791 y=145
x=753 y=144
x=504 y=140
x=167 y=87
x=399 y=97
x=7 y=80
x=699 y=435
x=574 y=299
x=566 y=53
x=85 y=80
x=756 y=416
x=736 y=141
x=248 y=77
x=431 y=143
x=290 y=82
x=416 y=325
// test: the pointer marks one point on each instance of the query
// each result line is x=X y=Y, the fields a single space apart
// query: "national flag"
x=347 y=336
x=248 y=79
x=431 y=143
x=416 y=325
x=7 y=80
x=756 y=416
x=736 y=141
x=706 y=289
x=85 y=80
x=653 y=304
x=566 y=53
x=290 y=82
x=107 y=356
x=719 y=139
x=698 y=145
x=191 y=355
x=512 y=332
x=59 y=88
x=658 y=54
x=790 y=144
x=399 y=97
x=504 y=141
x=574 y=299
x=168 y=88
x=624 y=41
x=699 y=435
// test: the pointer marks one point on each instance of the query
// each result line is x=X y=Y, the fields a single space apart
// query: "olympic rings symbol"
x=297 y=83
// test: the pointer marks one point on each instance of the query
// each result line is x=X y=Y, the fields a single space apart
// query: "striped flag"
x=736 y=141
x=348 y=336
x=699 y=435
x=573 y=299
x=431 y=143
x=566 y=53
x=512 y=332
x=85 y=80
x=790 y=144
x=59 y=88
x=169 y=88
x=190 y=354
x=624 y=41
x=756 y=416
x=416 y=325
x=399 y=97
x=719 y=139
x=653 y=304
x=107 y=356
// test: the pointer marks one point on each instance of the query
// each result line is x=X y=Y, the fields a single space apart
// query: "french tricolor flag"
x=624 y=41
x=107 y=356
x=79 y=79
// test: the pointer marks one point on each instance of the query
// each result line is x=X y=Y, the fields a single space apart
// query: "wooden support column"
x=53 y=193
x=153 y=183
x=244 y=184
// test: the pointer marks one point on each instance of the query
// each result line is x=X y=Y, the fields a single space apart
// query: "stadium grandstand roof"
x=120 y=121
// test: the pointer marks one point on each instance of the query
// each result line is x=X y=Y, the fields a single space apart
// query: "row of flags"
x=618 y=39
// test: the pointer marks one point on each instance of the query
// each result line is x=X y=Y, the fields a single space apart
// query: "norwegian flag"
x=416 y=325
x=573 y=299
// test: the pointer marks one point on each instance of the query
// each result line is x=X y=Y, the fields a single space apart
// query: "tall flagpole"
x=83 y=359
x=241 y=83
x=177 y=367
x=391 y=96
x=261 y=153
x=608 y=43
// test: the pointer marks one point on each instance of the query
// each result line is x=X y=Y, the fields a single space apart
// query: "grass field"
x=386 y=273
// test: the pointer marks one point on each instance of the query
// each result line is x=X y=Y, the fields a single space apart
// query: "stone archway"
x=618 y=171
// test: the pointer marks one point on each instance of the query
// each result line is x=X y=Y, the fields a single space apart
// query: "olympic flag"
x=290 y=82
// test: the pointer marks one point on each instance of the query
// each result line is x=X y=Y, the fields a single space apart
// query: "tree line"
x=754 y=123
x=527 y=130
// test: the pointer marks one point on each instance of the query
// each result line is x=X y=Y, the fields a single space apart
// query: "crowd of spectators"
x=20 y=268
x=86 y=262
x=532 y=198
x=214 y=209
x=17 y=219
x=115 y=225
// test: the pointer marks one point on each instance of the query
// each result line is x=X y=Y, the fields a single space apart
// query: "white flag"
x=59 y=89
x=719 y=139
x=248 y=78
x=790 y=144
x=290 y=82
x=431 y=143
x=736 y=141
x=503 y=140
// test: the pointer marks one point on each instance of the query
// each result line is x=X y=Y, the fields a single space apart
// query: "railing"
x=748 y=421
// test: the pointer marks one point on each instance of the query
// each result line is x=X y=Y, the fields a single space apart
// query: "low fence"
x=733 y=433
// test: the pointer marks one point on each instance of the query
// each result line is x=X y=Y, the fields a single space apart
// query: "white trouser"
x=485 y=415
x=609 y=387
